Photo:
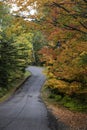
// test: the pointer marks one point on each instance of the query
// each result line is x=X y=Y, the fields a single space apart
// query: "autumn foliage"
x=64 y=25
x=15 y=48
x=66 y=63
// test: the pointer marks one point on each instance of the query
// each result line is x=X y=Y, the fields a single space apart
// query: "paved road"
x=25 y=110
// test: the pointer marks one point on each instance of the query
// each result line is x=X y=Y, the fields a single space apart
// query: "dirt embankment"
x=65 y=119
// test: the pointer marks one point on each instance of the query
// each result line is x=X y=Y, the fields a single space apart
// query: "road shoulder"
x=15 y=87
x=61 y=117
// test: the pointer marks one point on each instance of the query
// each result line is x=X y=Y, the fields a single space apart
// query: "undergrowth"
x=71 y=103
x=5 y=92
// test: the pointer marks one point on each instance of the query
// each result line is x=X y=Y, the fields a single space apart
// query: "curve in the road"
x=25 y=110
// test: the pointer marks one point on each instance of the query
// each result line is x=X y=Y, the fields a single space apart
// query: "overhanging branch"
x=74 y=28
x=83 y=25
x=60 y=6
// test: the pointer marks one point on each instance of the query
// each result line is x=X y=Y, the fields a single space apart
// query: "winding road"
x=25 y=110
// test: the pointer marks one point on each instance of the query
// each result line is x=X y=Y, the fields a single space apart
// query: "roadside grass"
x=70 y=103
x=6 y=93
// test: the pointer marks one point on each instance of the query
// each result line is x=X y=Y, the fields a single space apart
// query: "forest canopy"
x=57 y=33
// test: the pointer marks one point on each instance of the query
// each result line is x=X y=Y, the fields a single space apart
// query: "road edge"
x=54 y=122
x=13 y=90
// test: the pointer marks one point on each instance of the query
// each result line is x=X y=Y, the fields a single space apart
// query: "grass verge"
x=5 y=94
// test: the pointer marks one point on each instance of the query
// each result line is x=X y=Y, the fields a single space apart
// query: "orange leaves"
x=48 y=54
x=57 y=34
x=63 y=21
x=63 y=64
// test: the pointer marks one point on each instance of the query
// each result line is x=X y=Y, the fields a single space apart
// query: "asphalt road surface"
x=25 y=109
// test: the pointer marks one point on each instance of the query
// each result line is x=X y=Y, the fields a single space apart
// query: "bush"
x=58 y=97
x=72 y=103
x=51 y=96
x=66 y=99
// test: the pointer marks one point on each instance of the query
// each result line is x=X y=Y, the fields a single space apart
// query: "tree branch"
x=72 y=15
x=58 y=5
x=83 y=25
x=74 y=28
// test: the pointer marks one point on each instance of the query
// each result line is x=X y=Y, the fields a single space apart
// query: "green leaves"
x=38 y=42
x=83 y=59
x=15 y=49
x=5 y=16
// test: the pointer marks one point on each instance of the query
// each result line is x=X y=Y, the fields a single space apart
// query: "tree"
x=38 y=42
x=65 y=23
x=5 y=16
x=15 y=49
x=64 y=63
x=23 y=43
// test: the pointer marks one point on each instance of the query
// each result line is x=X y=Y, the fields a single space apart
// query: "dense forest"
x=54 y=36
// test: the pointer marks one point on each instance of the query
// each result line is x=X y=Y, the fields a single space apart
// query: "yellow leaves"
x=24 y=45
x=63 y=86
x=13 y=30
x=25 y=38
x=51 y=75
x=51 y=61
x=8 y=33
x=66 y=66
x=74 y=87
x=51 y=44
x=17 y=28
x=21 y=61
x=83 y=53
x=58 y=84
x=61 y=62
